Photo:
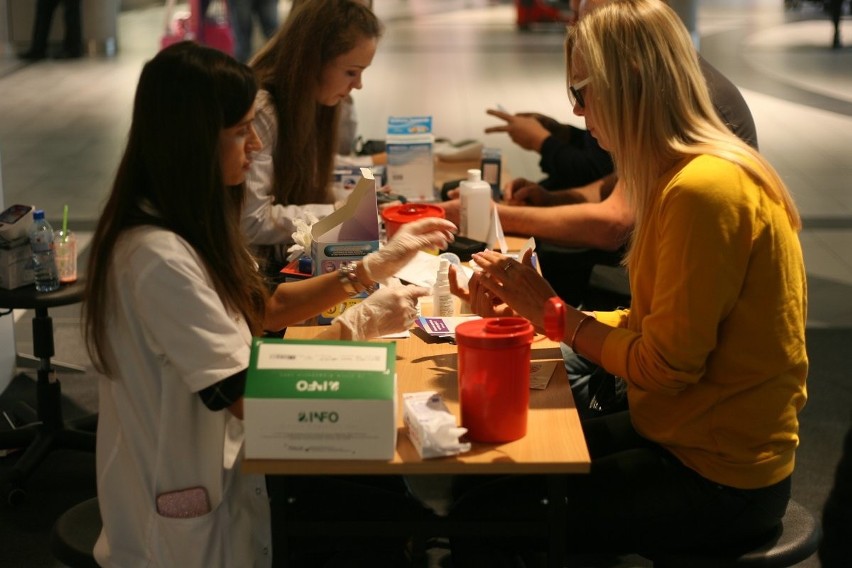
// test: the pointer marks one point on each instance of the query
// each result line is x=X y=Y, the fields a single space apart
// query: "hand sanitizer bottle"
x=475 y=208
x=442 y=301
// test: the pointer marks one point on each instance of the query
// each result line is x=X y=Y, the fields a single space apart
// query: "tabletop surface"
x=554 y=442
x=27 y=298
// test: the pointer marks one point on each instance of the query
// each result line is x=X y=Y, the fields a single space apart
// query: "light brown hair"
x=289 y=66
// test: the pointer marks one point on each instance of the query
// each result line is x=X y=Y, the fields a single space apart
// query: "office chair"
x=795 y=539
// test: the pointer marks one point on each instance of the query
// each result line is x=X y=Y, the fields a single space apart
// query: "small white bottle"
x=476 y=207
x=442 y=300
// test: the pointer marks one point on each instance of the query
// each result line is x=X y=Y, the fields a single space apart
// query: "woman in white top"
x=305 y=71
x=173 y=299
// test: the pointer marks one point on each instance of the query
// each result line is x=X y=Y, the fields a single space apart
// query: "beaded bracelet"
x=586 y=317
x=349 y=278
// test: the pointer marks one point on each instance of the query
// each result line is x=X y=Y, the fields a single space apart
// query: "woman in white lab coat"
x=306 y=73
x=173 y=299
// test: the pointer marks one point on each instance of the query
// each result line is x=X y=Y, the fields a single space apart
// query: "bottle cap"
x=474 y=175
x=495 y=333
x=38 y=214
x=443 y=277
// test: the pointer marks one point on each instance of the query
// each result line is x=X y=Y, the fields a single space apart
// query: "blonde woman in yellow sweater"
x=713 y=345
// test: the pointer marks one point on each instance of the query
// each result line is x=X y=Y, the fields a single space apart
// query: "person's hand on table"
x=524 y=130
x=451 y=209
x=423 y=234
x=516 y=284
x=390 y=309
x=526 y=192
x=482 y=302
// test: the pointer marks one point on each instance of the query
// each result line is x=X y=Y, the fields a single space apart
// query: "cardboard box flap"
x=357 y=220
x=282 y=368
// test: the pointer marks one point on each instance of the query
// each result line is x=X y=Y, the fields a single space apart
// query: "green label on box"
x=294 y=368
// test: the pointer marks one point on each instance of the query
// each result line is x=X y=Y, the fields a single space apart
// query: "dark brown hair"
x=186 y=96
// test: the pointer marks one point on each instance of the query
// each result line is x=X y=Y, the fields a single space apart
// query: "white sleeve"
x=190 y=327
x=263 y=222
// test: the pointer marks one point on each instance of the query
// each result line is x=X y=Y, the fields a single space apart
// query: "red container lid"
x=408 y=212
x=495 y=333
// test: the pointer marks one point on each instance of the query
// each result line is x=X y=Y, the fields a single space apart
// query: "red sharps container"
x=494 y=377
x=398 y=215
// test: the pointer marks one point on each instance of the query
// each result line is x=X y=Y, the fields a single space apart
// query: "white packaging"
x=475 y=210
x=431 y=426
x=411 y=167
x=320 y=400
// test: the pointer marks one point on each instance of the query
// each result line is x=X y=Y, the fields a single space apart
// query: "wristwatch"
x=554 y=318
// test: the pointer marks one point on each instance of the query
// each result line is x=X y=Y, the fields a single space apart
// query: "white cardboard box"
x=347 y=234
x=16 y=268
x=411 y=167
x=320 y=400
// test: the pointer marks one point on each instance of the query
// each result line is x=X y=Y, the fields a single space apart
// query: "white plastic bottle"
x=476 y=207
x=442 y=300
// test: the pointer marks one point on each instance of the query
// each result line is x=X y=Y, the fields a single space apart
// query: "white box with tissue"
x=431 y=426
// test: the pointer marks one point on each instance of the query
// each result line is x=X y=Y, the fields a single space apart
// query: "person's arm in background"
x=264 y=222
x=522 y=192
x=602 y=225
x=570 y=156
x=524 y=129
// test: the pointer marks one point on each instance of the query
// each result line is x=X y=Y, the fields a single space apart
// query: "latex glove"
x=391 y=309
x=424 y=234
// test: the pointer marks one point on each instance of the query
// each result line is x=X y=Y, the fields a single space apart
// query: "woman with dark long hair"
x=173 y=299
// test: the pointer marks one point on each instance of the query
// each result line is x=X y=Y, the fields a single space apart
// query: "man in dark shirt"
x=579 y=214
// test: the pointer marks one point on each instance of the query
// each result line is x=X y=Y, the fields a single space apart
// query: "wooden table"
x=554 y=445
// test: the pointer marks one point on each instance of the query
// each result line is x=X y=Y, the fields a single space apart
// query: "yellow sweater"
x=713 y=347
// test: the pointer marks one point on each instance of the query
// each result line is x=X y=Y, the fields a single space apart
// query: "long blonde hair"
x=652 y=103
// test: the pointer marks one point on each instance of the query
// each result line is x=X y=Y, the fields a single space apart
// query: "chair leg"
x=49 y=433
x=30 y=362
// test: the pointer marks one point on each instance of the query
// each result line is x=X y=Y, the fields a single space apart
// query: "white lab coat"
x=169 y=337
x=265 y=222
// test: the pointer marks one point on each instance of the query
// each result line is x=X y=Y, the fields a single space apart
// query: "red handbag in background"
x=212 y=29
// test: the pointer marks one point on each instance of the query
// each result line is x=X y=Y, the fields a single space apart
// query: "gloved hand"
x=424 y=234
x=389 y=310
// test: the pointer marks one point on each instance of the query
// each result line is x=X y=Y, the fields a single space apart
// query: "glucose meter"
x=15 y=221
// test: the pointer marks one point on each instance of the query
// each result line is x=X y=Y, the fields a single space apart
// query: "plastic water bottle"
x=44 y=258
